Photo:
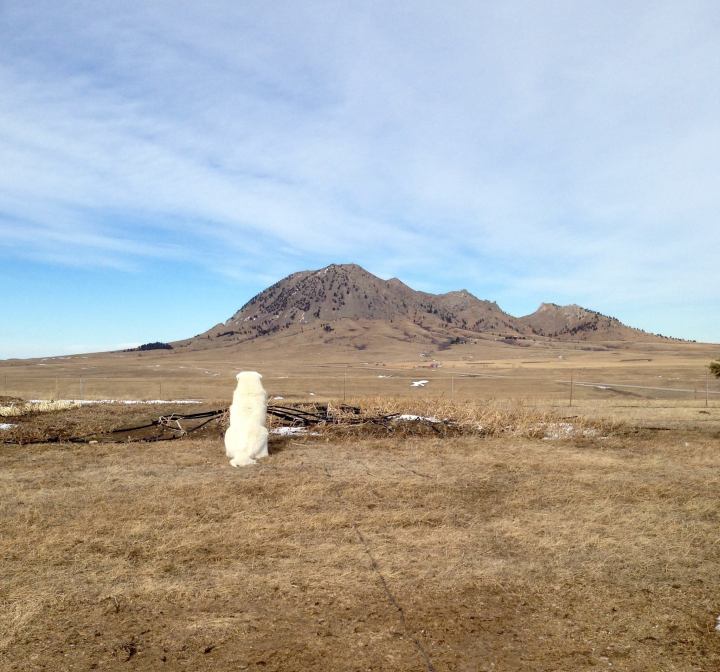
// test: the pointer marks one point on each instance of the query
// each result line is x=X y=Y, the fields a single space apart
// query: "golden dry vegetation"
x=349 y=552
x=501 y=540
x=298 y=369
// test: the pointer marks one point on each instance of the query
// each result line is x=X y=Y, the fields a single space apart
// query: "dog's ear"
x=238 y=376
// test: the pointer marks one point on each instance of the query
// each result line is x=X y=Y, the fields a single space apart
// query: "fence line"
x=461 y=385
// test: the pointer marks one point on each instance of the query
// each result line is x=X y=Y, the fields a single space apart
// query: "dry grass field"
x=502 y=542
x=354 y=552
x=609 y=375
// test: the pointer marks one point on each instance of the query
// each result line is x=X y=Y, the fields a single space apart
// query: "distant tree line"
x=157 y=345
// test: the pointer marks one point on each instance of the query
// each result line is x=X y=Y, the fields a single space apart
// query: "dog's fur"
x=246 y=438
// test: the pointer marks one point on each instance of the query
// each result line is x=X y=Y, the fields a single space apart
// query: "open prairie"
x=392 y=552
x=548 y=536
x=620 y=379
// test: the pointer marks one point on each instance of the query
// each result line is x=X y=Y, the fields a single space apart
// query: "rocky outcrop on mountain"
x=343 y=294
x=349 y=292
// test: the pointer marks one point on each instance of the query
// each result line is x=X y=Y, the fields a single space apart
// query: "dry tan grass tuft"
x=487 y=418
x=19 y=408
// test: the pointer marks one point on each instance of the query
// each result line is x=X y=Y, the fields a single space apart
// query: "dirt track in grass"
x=425 y=553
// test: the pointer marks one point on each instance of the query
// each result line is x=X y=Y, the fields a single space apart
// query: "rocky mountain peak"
x=347 y=293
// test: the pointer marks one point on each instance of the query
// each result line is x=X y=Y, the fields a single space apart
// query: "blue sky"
x=164 y=161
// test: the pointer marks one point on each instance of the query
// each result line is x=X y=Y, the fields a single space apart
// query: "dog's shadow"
x=278 y=444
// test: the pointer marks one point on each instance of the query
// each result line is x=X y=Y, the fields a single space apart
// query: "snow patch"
x=292 y=431
x=558 y=430
x=555 y=431
x=717 y=624
x=410 y=418
x=6 y=425
x=419 y=383
x=126 y=402
x=278 y=398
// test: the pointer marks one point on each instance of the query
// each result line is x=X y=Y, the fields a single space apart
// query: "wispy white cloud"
x=524 y=150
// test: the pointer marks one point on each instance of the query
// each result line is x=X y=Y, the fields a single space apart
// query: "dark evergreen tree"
x=715 y=368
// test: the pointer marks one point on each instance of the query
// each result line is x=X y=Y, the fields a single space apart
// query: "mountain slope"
x=576 y=323
x=351 y=304
x=348 y=292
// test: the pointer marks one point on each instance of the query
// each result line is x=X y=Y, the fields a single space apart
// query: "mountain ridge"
x=347 y=295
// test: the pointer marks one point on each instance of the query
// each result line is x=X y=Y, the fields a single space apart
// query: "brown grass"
x=355 y=417
x=298 y=372
x=505 y=553
x=481 y=418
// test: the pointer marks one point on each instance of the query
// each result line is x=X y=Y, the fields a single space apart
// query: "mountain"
x=343 y=299
x=576 y=323
x=348 y=292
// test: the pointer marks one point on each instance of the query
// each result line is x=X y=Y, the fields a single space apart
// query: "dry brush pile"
x=367 y=416
x=446 y=417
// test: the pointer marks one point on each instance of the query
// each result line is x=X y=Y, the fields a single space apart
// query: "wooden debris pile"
x=340 y=418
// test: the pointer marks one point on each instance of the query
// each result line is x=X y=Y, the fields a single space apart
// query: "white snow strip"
x=717 y=624
x=127 y=402
x=292 y=431
x=634 y=387
x=559 y=430
x=278 y=398
x=288 y=431
x=381 y=376
x=419 y=383
x=6 y=425
x=555 y=431
x=409 y=418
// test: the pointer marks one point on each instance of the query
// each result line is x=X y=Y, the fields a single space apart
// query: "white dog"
x=246 y=438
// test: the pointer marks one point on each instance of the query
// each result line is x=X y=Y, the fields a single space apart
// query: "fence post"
x=707 y=387
x=452 y=387
x=345 y=384
x=82 y=392
x=572 y=385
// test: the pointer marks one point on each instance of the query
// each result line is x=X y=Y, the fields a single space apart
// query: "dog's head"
x=248 y=375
